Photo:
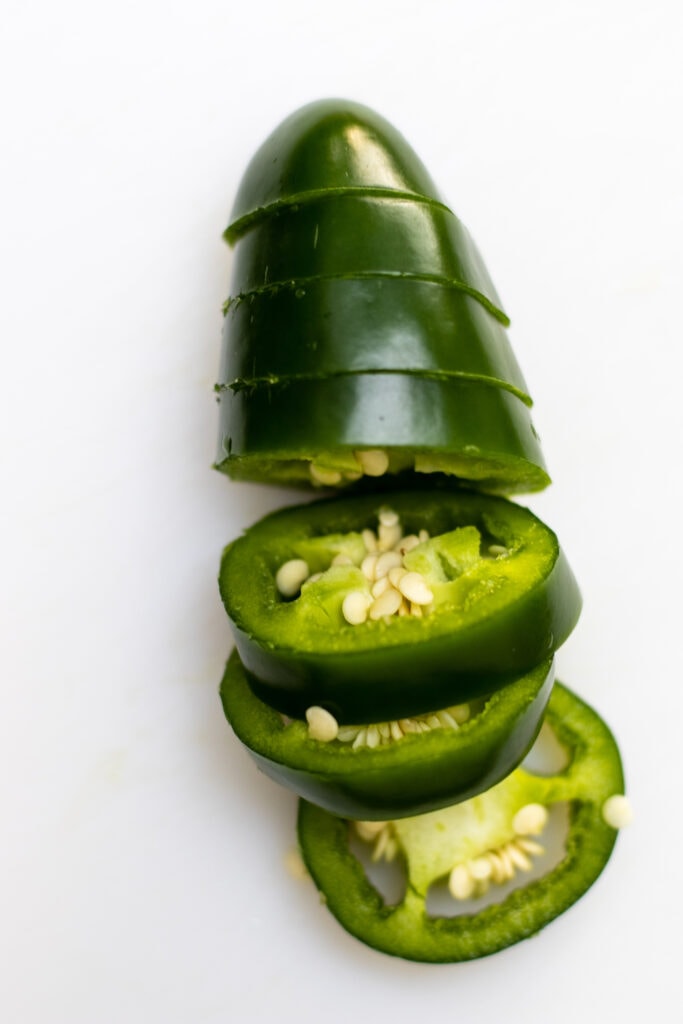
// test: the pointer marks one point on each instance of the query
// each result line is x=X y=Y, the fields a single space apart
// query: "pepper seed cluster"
x=373 y=462
x=394 y=589
x=323 y=726
x=473 y=877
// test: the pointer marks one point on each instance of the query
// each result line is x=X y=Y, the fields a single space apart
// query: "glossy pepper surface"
x=414 y=774
x=494 y=617
x=474 y=831
x=355 y=288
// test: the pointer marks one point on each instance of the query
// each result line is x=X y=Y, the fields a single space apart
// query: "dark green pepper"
x=503 y=599
x=398 y=774
x=362 y=318
x=478 y=843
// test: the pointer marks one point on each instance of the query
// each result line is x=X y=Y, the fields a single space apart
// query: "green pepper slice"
x=471 y=834
x=415 y=773
x=468 y=429
x=492 y=617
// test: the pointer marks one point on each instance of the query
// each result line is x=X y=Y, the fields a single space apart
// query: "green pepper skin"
x=352 y=236
x=417 y=774
x=352 y=281
x=406 y=930
x=270 y=433
x=336 y=145
x=339 y=326
x=509 y=616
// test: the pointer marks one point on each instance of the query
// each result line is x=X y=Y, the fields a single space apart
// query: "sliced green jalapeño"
x=479 y=844
x=362 y=316
x=437 y=761
x=277 y=432
x=491 y=596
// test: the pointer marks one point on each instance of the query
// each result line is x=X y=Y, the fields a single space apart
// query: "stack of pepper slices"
x=395 y=642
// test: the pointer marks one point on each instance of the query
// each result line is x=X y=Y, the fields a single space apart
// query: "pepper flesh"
x=594 y=774
x=493 y=619
x=411 y=776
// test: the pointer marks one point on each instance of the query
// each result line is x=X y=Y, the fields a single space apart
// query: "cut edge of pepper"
x=594 y=774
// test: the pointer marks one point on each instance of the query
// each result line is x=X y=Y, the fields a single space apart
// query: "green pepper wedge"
x=419 y=772
x=492 y=619
x=356 y=291
x=437 y=843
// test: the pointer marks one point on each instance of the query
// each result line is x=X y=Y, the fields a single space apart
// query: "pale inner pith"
x=399 y=571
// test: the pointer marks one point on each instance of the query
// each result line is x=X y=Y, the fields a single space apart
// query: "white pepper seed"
x=530 y=846
x=530 y=820
x=388 y=536
x=290 y=576
x=388 y=517
x=342 y=559
x=374 y=462
x=396 y=732
x=372 y=737
x=380 y=586
x=480 y=869
x=355 y=607
x=518 y=857
x=324 y=477
x=369 y=830
x=387 y=603
x=617 y=811
x=321 y=724
x=506 y=860
x=347 y=733
x=415 y=589
x=387 y=561
x=368 y=564
x=369 y=539
x=460 y=882
x=497 y=868
x=406 y=544
x=395 y=574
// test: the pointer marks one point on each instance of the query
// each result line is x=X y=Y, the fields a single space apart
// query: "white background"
x=142 y=856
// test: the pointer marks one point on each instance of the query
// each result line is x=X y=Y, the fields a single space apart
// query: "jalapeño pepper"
x=358 y=302
x=476 y=845
x=500 y=598
x=364 y=336
x=411 y=767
